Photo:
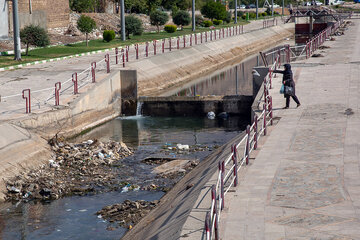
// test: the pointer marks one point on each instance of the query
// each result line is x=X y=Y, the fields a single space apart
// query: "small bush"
x=228 y=17
x=252 y=15
x=108 y=35
x=199 y=20
x=243 y=16
x=217 y=22
x=207 y=23
x=170 y=28
x=34 y=35
x=264 y=14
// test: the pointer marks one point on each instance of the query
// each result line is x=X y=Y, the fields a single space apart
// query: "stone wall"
x=45 y=13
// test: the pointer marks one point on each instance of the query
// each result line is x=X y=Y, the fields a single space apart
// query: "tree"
x=133 y=25
x=214 y=10
x=34 y=35
x=86 y=25
x=135 y=6
x=182 y=18
x=158 y=18
x=152 y=5
x=82 y=5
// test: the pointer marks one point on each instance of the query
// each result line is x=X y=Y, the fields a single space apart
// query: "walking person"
x=289 y=85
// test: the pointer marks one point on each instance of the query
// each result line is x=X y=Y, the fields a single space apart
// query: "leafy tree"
x=158 y=18
x=135 y=6
x=133 y=25
x=182 y=18
x=34 y=35
x=214 y=10
x=152 y=5
x=82 y=5
x=86 y=25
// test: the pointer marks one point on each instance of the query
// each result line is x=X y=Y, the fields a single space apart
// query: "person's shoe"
x=298 y=105
x=285 y=107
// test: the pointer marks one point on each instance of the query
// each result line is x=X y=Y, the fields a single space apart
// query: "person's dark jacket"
x=287 y=77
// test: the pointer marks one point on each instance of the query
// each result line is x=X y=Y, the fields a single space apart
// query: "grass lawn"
x=72 y=49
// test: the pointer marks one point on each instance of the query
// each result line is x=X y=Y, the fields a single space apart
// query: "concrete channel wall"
x=196 y=106
x=99 y=104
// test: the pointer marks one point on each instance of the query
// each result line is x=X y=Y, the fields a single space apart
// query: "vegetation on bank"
x=99 y=44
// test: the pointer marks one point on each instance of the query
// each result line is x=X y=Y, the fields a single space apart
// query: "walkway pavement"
x=305 y=180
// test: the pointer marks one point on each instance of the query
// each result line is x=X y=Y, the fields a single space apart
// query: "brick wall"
x=56 y=11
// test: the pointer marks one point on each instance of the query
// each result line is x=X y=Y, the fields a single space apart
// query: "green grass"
x=94 y=45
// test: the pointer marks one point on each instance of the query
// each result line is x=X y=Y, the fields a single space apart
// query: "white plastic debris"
x=211 y=115
x=90 y=142
x=101 y=156
x=53 y=164
x=182 y=147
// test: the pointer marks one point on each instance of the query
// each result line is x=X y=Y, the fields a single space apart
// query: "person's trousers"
x=293 y=97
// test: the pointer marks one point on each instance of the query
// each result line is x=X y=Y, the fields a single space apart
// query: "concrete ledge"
x=196 y=106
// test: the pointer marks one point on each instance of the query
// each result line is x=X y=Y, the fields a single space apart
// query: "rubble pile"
x=75 y=169
x=128 y=213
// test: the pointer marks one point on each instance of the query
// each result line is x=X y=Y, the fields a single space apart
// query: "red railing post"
x=107 y=60
x=154 y=44
x=27 y=100
x=93 y=68
x=221 y=169
x=163 y=46
x=170 y=40
x=206 y=38
x=196 y=39
x=270 y=77
x=137 y=50
x=234 y=158
x=184 y=39
x=264 y=123
x=215 y=34
x=127 y=53
x=255 y=131
x=247 y=149
x=57 y=93
x=216 y=226
x=191 y=38
x=147 y=49
x=75 y=81
x=178 y=42
x=116 y=55
x=201 y=37
x=271 y=110
x=223 y=33
x=123 y=57
x=211 y=35
x=207 y=226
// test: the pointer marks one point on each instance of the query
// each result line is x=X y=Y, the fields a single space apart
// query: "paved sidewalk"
x=305 y=180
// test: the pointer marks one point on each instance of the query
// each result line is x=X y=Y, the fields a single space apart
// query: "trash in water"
x=182 y=147
x=83 y=210
x=211 y=115
x=126 y=188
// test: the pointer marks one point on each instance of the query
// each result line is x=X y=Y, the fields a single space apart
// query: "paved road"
x=305 y=180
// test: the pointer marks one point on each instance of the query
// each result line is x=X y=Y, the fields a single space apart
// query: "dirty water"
x=74 y=217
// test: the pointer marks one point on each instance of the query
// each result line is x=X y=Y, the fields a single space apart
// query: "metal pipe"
x=123 y=37
x=193 y=15
x=16 y=29
x=236 y=12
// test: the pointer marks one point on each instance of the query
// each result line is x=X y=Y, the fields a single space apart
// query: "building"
x=45 y=13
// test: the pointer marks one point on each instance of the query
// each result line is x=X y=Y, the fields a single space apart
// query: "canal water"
x=75 y=218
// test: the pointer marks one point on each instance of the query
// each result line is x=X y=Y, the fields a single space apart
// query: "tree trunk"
x=27 y=49
x=87 y=39
x=158 y=28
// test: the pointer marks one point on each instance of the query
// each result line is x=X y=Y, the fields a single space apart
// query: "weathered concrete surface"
x=196 y=106
x=99 y=104
x=19 y=150
x=162 y=73
x=305 y=180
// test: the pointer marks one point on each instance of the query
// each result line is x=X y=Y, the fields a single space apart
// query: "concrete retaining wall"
x=99 y=104
x=196 y=106
x=162 y=73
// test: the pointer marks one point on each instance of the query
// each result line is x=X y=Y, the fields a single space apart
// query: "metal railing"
x=229 y=167
x=36 y=99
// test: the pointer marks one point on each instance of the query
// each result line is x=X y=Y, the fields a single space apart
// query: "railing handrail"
x=248 y=143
